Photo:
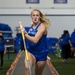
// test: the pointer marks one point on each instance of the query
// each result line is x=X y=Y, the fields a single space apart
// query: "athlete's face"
x=35 y=17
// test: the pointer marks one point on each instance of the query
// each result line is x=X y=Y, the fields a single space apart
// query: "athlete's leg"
x=39 y=67
x=32 y=62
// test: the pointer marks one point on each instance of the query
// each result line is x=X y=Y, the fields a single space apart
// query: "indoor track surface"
x=19 y=68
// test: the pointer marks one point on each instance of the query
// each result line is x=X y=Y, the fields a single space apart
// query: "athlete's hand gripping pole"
x=26 y=52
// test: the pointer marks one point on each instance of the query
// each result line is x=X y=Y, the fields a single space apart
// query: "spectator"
x=73 y=38
x=73 y=41
x=66 y=45
x=2 y=49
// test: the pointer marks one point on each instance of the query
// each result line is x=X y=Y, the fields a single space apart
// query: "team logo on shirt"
x=30 y=29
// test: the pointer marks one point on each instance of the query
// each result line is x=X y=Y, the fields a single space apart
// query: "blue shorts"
x=40 y=56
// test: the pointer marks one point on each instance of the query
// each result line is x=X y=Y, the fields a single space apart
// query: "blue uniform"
x=73 y=39
x=2 y=43
x=64 y=39
x=39 y=50
x=65 y=46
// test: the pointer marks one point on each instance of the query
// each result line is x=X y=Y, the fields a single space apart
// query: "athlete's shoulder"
x=42 y=26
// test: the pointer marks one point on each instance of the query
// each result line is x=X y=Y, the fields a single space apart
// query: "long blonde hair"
x=43 y=19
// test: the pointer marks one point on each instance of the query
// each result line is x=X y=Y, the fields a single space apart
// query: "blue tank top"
x=40 y=46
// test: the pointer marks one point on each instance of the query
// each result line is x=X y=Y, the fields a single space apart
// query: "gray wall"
x=42 y=4
x=58 y=23
x=62 y=16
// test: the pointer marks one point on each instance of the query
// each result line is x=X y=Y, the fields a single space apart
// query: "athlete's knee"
x=26 y=67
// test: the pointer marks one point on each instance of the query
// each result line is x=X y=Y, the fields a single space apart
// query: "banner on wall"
x=32 y=1
x=60 y=1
